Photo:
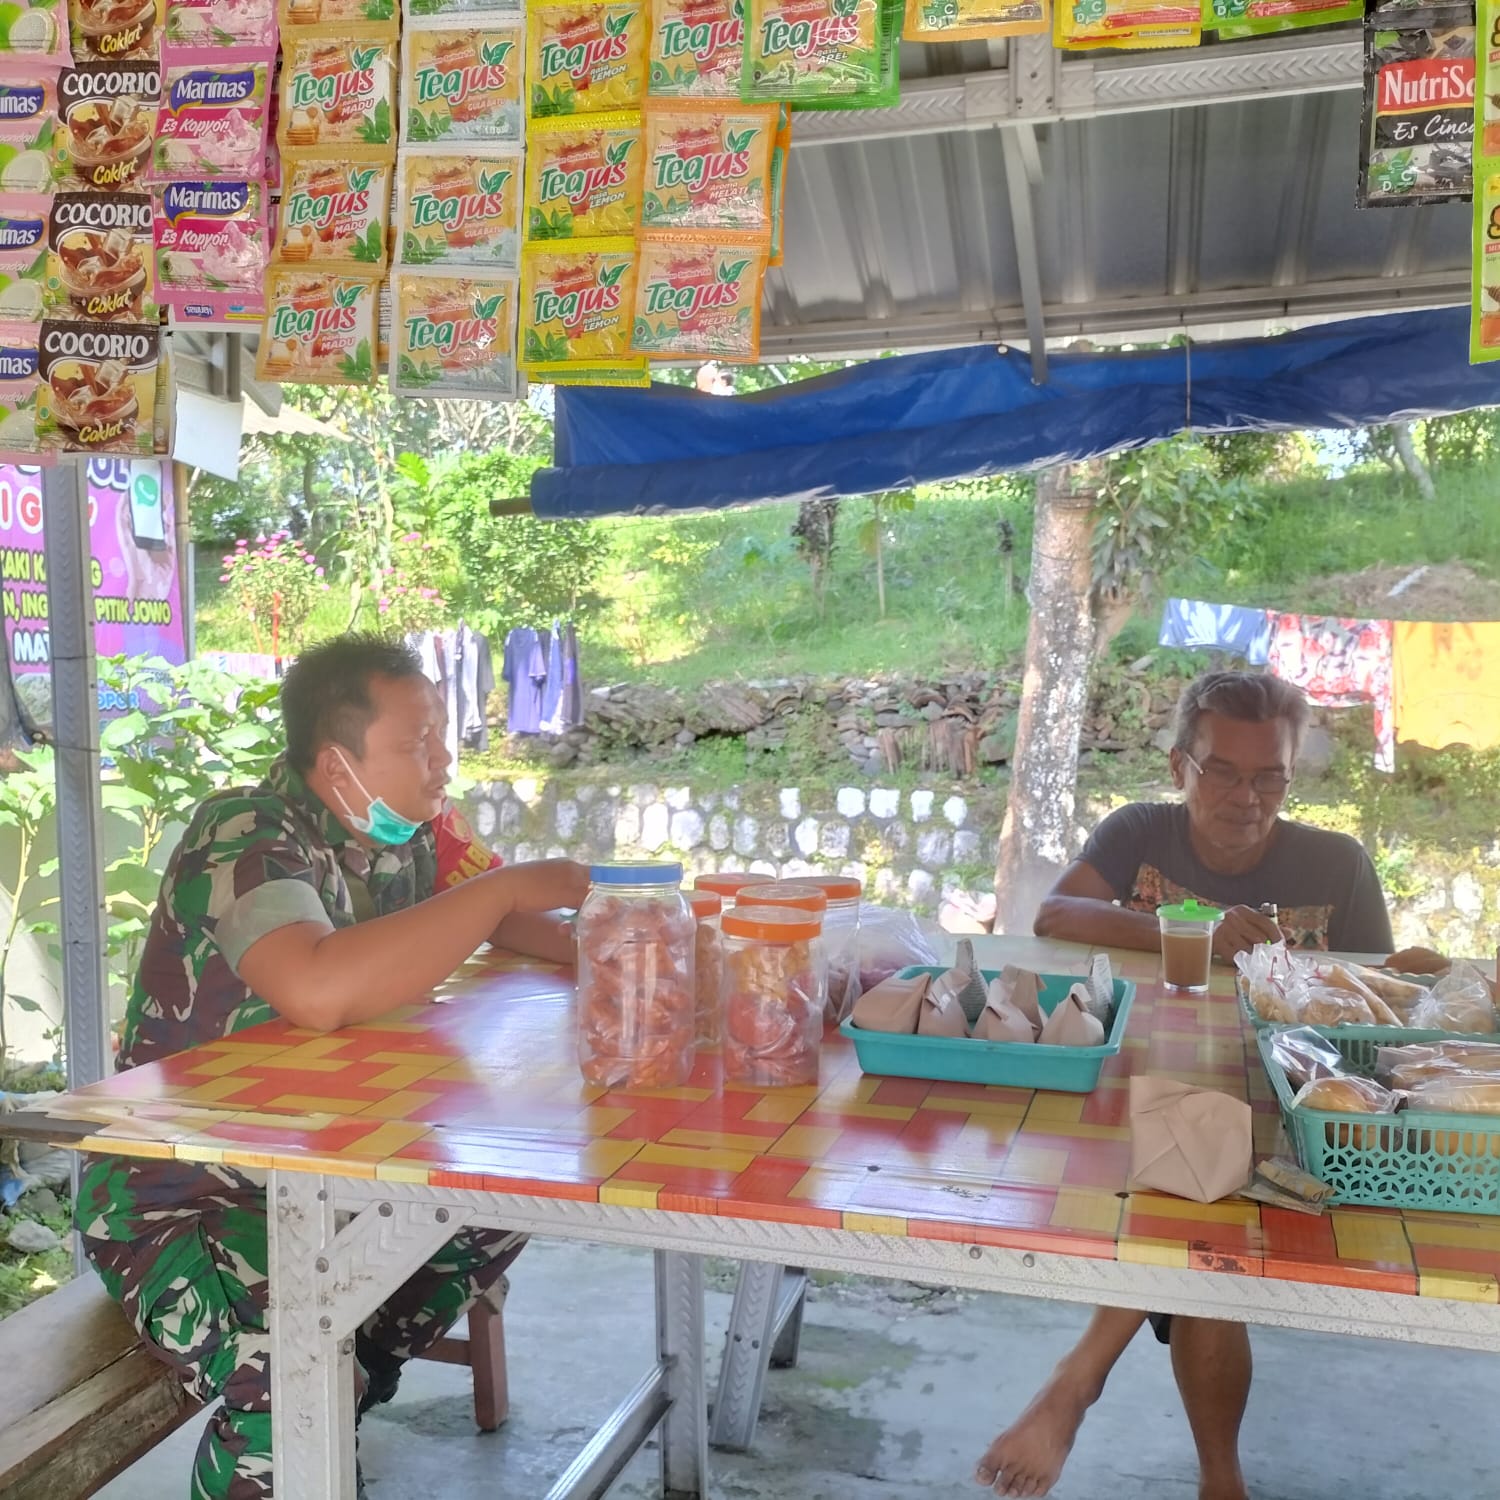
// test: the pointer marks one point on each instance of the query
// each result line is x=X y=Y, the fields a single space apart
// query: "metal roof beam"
x=1023 y=227
x=1143 y=317
x=1084 y=87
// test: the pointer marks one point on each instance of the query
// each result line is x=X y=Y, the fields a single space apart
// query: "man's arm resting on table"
x=324 y=979
x=537 y=934
x=1080 y=909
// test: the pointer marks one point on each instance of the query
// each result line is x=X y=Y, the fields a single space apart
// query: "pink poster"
x=137 y=596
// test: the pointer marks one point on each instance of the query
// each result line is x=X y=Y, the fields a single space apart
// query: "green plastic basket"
x=1021 y=1065
x=1415 y=1159
x=1254 y=1017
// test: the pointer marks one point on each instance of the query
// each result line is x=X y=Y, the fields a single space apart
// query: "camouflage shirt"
x=252 y=861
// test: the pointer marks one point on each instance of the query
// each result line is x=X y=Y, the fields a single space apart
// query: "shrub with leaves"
x=410 y=602
x=279 y=583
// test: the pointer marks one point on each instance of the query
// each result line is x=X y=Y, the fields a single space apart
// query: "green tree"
x=27 y=800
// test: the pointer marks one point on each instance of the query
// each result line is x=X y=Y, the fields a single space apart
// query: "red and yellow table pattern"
x=481 y=1091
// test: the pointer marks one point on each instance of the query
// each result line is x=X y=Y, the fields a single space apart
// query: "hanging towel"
x=1197 y=625
x=524 y=668
x=1446 y=683
x=1337 y=663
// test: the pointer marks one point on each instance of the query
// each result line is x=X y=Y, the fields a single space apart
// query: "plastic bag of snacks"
x=23 y=256
x=28 y=128
x=576 y=305
x=212 y=249
x=583 y=177
x=100 y=258
x=974 y=20
x=698 y=296
x=889 y=941
x=709 y=166
x=462 y=82
x=636 y=1005
x=461 y=209
x=98 y=387
x=697 y=49
x=1460 y=1001
x=773 y=988
x=215 y=111
x=321 y=327
x=588 y=57
x=19 y=381
x=335 y=211
x=454 y=334
x=338 y=95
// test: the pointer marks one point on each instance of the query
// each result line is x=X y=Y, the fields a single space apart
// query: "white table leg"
x=679 y=1347
x=312 y=1380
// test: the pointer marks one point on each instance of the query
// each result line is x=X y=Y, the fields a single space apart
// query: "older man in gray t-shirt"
x=1226 y=843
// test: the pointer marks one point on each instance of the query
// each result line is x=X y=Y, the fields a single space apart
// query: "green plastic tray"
x=1414 y=1159
x=1020 y=1065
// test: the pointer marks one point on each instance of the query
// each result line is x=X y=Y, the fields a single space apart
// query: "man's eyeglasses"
x=1224 y=779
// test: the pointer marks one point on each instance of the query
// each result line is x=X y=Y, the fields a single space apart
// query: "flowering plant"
x=278 y=582
x=409 y=602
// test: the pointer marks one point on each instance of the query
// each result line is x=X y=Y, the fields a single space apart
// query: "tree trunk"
x=1416 y=470
x=1036 y=837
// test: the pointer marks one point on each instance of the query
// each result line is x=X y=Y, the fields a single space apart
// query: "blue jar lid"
x=637 y=872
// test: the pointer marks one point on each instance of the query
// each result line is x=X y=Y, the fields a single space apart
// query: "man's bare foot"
x=1026 y=1459
x=1229 y=1487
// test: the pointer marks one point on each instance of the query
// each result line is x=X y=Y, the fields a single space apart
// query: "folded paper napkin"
x=1071 y=1024
x=1101 y=987
x=942 y=1014
x=893 y=1005
x=1191 y=1142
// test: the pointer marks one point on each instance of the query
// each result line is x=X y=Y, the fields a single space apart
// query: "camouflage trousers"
x=182 y=1248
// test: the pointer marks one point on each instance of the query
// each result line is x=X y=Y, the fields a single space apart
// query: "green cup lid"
x=1190 y=911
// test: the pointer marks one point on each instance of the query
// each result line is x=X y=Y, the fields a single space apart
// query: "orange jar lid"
x=727 y=884
x=772 y=924
x=704 y=904
x=800 y=895
x=835 y=887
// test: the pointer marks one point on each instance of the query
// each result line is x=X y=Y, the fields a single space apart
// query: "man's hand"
x=1243 y=928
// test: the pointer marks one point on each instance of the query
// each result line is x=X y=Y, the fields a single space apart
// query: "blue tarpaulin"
x=892 y=423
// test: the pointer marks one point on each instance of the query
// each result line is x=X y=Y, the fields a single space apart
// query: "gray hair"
x=1251 y=697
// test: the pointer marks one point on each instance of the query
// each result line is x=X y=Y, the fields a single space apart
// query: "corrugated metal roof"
x=1234 y=214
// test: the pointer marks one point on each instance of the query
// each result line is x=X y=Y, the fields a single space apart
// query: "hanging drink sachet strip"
x=335 y=212
x=577 y=302
x=373 y=17
x=1126 y=25
x=24 y=221
x=1234 y=19
x=583 y=177
x=1484 y=313
x=588 y=57
x=461 y=81
x=808 y=51
x=974 y=20
x=697 y=49
x=708 y=165
x=338 y=95
x=457 y=209
x=212 y=248
x=698 y=296
x=214 y=114
x=453 y=334
x=321 y=327
x=28 y=126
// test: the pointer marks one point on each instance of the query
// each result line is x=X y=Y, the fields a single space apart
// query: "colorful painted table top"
x=481 y=1090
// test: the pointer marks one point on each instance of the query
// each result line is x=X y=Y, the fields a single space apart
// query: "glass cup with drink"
x=1187 y=944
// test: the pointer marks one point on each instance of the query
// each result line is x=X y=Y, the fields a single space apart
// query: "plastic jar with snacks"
x=636 y=1003
x=775 y=978
x=707 y=965
x=840 y=940
x=794 y=895
x=727 y=885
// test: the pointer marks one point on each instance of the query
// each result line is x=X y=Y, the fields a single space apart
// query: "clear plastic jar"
x=841 y=940
x=707 y=966
x=792 y=895
x=727 y=884
x=636 y=1005
x=774 y=982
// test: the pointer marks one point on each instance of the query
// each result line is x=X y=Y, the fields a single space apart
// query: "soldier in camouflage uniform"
x=254 y=920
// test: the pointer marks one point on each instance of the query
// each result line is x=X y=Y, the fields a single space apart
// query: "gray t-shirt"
x=1323 y=883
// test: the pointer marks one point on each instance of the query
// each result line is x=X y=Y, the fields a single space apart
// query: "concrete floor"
x=898 y=1391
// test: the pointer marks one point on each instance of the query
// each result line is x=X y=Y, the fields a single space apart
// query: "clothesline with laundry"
x=544 y=689
x=1430 y=683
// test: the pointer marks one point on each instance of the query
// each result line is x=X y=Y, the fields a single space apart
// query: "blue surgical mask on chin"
x=381 y=824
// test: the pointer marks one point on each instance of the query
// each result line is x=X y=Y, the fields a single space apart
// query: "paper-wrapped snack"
x=1191 y=1142
x=1000 y=1021
x=941 y=1012
x=893 y=1005
x=1071 y=1024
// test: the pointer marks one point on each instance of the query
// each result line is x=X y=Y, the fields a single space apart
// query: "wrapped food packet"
x=100 y=262
x=456 y=208
x=212 y=248
x=1271 y=983
x=1460 y=1001
x=116 y=30
x=893 y=1005
x=709 y=166
x=1001 y=1021
x=321 y=327
x=338 y=95
x=35 y=31
x=1347 y=1095
x=222 y=23
x=697 y=49
x=587 y=57
x=1457 y=1094
x=1018 y=988
x=461 y=81
x=19 y=381
x=373 y=17
x=24 y=218
x=802 y=50
x=1071 y=1023
x=28 y=129
x=942 y=1012
x=583 y=177
x=576 y=303
x=98 y=387
x=1405 y=1067
x=974 y=20
x=1322 y=1006
x=453 y=335
x=698 y=296
x=214 y=115
x=1234 y=19
x=106 y=117
x=1305 y=1055
x=1129 y=25
x=335 y=211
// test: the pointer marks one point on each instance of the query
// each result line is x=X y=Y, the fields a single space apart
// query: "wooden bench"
x=82 y=1398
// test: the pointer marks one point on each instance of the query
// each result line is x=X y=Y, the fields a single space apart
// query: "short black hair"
x=325 y=698
x=1251 y=697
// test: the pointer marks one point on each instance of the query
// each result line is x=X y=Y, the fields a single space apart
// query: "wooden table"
x=472 y=1111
